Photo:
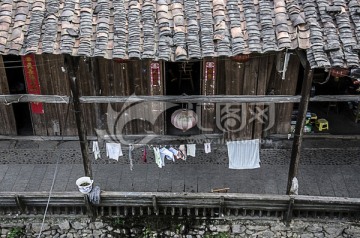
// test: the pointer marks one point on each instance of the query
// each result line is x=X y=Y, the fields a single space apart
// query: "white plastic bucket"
x=84 y=188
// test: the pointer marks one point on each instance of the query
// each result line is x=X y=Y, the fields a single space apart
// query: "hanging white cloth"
x=207 y=148
x=191 y=149
x=113 y=151
x=244 y=154
x=131 y=148
x=96 y=150
x=182 y=149
x=165 y=153
x=158 y=160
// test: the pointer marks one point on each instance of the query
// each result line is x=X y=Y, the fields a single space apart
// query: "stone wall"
x=174 y=227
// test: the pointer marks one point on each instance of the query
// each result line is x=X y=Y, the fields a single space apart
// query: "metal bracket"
x=288 y=215
x=222 y=206
x=90 y=209
x=154 y=202
x=20 y=204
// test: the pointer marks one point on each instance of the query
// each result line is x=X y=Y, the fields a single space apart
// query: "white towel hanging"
x=207 y=148
x=191 y=149
x=244 y=154
x=96 y=150
x=113 y=151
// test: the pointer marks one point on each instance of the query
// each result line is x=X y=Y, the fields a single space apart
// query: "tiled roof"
x=183 y=29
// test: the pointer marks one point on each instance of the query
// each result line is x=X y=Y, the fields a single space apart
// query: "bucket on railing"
x=84 y=184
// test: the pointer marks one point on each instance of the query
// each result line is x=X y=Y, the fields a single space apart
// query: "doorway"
x=16 y=81
x=182 y=78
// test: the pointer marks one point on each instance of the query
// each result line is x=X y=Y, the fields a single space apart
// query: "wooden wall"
x=102 y=77
x=7 y=118
x=257 y=77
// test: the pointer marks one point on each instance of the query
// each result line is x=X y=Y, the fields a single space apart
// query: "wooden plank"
x=288 y=87
x=44 y=67
x=235 y=73
x=261 y=90
x=8 y=124
x=59 y=99
x=66 y=112
x=250 y=84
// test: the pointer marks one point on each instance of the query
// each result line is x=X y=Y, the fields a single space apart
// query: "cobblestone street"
x=327 y=168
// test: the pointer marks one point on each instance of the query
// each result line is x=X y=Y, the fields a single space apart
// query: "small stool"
x=322 y=124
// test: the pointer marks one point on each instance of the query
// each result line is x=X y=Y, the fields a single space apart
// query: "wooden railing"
x=181 y=204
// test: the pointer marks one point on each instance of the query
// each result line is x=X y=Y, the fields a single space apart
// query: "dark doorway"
x=182 y=78
x=16 y=81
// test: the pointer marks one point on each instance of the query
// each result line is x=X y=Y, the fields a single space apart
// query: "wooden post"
x=72 y=65
x=299 y=128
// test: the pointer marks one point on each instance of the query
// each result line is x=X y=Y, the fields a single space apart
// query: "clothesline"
x=242 y=154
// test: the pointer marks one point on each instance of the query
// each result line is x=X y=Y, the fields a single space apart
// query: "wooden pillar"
x=299 y=128
x=72 y=65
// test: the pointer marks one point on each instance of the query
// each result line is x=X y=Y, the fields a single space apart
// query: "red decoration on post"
x=339 y=72
x=32 y=81
x=155 y=74
x=210 y=71
x=242 y=58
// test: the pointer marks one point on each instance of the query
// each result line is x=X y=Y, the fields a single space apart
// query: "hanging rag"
x=144 y=155
x=113 y=151
x=182 y=150
x=96 y=150
x=165 y=153
x=131 y=148
x=243 y=154
x=176 y=153
x=160 y=163
x=207 y=148
x=191 y=148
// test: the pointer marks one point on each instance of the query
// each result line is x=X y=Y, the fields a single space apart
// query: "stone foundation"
x=186 y=227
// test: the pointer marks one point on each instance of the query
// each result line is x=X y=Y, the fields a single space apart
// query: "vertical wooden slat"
x=8 y=124
x=48 y=87
x=261 y=90
x=250 y=84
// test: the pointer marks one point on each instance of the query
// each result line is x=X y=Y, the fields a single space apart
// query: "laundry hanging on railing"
x=165 y=153
x=144 y=156
x=131 y=148
x=207 y=148
x=182 y=149
x=158 y=160
x=113 y=151
x=96 y=150
x=244 y=154
x=191 y=149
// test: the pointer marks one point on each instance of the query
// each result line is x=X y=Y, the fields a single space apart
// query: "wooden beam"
x=302 y=57
x=71 y=64
x=16 y=98
x=299 y=128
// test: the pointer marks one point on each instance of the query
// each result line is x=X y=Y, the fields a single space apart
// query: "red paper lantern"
x=242 y=58
x=184 y=119
x=339 y=72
